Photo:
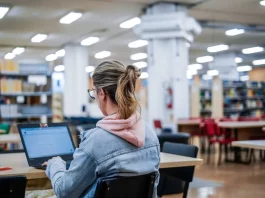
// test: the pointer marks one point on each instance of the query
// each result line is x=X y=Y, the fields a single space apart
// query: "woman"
x=121 y=143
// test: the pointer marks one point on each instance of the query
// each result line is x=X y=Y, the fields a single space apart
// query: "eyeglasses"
x=92 y=93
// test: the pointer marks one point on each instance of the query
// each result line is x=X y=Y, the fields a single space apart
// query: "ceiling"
x=102 y=18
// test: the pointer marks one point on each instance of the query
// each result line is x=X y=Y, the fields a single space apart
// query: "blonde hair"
x=118 y=82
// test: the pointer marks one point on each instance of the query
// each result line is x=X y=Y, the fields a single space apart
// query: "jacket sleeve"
x=74 y=181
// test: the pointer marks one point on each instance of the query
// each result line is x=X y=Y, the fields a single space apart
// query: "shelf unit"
x=205 y=102
x=22 y=99
x=243 y=98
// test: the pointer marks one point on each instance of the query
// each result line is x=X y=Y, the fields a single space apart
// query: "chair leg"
x=185 y=191
x=260 y=155
x=220 y=154
x=209 y=153
x=226 y=152
x=251 y=155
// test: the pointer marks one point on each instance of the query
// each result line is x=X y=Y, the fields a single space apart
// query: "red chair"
x=158 y=124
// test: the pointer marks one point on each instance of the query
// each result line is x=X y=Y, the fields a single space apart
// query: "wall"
x=257 y=74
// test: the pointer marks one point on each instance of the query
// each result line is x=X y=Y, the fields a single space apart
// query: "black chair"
x=184 y=174
x=182 y=138
x=13 y=187
x=126 y=187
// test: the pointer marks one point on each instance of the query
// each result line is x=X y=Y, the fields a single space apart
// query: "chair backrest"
x=13 y=187
x=126 y=187
x=210 y=128
x=182 y=138
x=158 y=124
x=183 y=173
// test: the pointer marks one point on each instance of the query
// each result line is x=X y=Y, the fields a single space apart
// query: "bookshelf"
x=25 y=92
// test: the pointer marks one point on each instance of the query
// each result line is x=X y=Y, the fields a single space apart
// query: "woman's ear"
x=101 y=93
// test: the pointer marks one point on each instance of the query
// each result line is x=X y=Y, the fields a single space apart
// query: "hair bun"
x=131 y=69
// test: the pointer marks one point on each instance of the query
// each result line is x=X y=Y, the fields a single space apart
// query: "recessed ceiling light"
x=70 y=18
x=244 y=68
x=90 y=69
x=212 y=72
x=60 y=53
x=238 y=60
x=38 y=38
x=3 y=11
x=137 y=43
x=195 y=66
x=89 y=41
x=18 y=50
x=204 y=59
x=206 y=77
x=262 y=3
x=9 y=56
x=140 y=64
x=59 y=68
x=259 y=62
x=252 y=50
x=138 y=56
x=217 y=48
x=130 y=23
x=234 y=32
x=144 y=75
x=51 y=57
x=102 y=54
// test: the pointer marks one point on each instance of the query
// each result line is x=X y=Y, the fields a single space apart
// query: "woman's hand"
x=46 y=163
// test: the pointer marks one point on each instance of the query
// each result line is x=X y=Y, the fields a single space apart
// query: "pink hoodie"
x=131 y=129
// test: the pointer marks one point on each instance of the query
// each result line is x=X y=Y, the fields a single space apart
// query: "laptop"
x=42 y=142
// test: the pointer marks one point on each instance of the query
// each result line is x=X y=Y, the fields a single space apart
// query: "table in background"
x=37 y=179
x=242 y=131
x=10 y=138
x=251 y=144
x=188 y=126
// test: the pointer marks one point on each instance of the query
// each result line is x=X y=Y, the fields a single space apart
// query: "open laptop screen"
x=50 y=141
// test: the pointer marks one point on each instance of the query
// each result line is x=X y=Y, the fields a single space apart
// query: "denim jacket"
x=100 y=154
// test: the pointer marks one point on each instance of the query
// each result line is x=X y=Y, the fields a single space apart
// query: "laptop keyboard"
x=39 y=166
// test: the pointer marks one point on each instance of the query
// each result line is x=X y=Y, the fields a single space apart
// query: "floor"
x=244 y=181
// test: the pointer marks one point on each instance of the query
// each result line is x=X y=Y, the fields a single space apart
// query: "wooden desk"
x=252 y=144
x=19 y=165
x=188 y=126
x=10 y=138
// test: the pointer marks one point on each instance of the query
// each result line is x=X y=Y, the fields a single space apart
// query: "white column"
x=226 y=65
x=168 y=28
x=76 y=80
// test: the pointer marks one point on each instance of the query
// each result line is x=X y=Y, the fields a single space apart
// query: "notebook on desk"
x=42 y=142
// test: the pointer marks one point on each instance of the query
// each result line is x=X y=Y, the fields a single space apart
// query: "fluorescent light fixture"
x=206 y=77
x=89 y=41
x=234 y=32
x=60 y=53
x=244 y=78
x=144 y=75
x=130 y=23
x=140 y=64
x=259 y=62
x=212 y=72
x=244 y=68
x=18 y=50
x=138 y=56
x=252 y=50
x=102 y=54
x=217 y=48
x=3 y=11
x=262 y=3
x=204 y=59
x=38 y=38
x=90 y=69
x=238 y=60
x=191 y=72
x=51 y=57
x=59 y=68
x=70 y=18
x=9 y=56
x=195 y=66
x=137 y=43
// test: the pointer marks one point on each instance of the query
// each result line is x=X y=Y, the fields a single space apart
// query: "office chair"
x=126 y=187
x=13 y=187
x=184 y=174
